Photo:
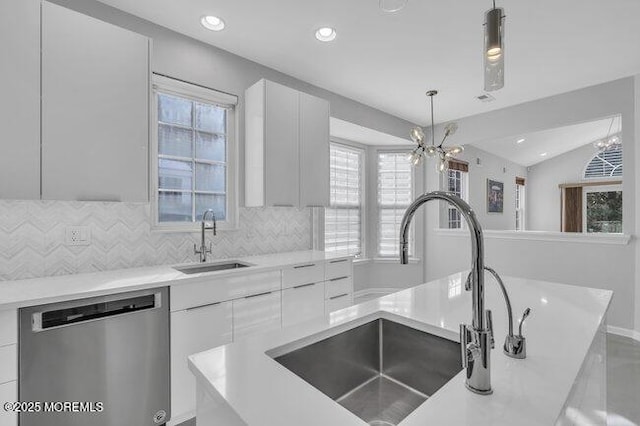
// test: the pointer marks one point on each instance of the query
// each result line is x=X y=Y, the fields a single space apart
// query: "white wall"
x=543 y=194
x=592 y=265
x=495 y=168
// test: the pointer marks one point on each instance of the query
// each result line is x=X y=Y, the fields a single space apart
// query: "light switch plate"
x=77 y=236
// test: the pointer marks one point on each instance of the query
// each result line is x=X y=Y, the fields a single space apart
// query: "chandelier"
x=443 y=153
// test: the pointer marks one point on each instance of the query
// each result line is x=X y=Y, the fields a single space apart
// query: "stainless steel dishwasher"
x=102 y=361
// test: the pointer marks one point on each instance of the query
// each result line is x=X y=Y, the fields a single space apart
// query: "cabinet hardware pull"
x=338 y=261
x=304 y=266
x=339 y=278
x=283 y=205
x=338 y=296
x=203 y=306
x=259 y=294
x=304 y=285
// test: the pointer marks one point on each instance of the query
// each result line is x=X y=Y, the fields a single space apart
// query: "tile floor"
x=623 y=382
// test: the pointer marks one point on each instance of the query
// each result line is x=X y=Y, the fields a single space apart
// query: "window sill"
x=614 y=239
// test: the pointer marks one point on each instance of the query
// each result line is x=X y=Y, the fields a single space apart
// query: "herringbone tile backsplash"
x=32 y=237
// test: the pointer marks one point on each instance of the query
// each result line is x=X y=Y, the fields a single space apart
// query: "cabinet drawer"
x=8 y=363
x=305 y=273
x=302 y=303
x=211 y=289
x=338 y=286
x=8 y=327
x=8 y=393
x=339 y=268
x=256 y=314
x=338 y=302
x=192 y=331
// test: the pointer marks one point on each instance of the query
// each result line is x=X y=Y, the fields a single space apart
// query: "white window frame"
x=412 y=239
x=363 y=194
x=599 y=188
x=464 y=194
x=610 y=176
x=521 y=201
x=195 y=92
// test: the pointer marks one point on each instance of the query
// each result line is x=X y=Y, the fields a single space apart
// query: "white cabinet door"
x=302 y=303
x=20 y=106
x=194 y=330
x=282 y=179
x=95 y=109
x=256 y=314
x=314 y=151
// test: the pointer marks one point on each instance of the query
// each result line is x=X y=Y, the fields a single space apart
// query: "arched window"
x=605 y=164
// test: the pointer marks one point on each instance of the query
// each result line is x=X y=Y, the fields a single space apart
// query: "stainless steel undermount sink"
x=380 y=371
x=211 y=267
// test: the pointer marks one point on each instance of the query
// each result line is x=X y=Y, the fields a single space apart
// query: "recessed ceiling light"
x=212 y=23
x=520 y=140
x=544 y=154
x=326 y=34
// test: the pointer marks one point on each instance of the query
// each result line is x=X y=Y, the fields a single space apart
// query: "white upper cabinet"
x=286 y=147
x=314 y=151
x=95 y=109
x=20 y=106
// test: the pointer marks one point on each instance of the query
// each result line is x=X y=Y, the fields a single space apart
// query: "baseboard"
x=632 y=334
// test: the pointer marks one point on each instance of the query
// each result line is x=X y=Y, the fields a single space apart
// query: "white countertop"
x=36 y=291
x=564 y=320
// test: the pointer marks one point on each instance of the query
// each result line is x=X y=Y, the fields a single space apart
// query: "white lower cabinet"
x=194 y=330
x=336 y=303
x=256 y=314
x=302 y=303
x=8 y=393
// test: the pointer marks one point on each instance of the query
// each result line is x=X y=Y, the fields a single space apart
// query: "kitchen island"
x=562 y=380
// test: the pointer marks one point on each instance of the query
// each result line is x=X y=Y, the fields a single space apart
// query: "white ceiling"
x=355 y=133
x=554 y=141
x=388 y=61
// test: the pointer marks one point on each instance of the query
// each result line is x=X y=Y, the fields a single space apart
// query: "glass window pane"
x=173 y=174
x=211 y=147
x=217 y=203
x=604 y=211
x=174 y=206
x=210 y=177
x=174 y=110
x=174 y=141
x=211 y=118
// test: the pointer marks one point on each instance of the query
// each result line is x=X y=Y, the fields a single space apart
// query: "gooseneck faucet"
x=475 y=340
x=204 y=250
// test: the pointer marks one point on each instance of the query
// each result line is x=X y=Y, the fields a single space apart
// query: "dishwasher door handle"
x=81 y=313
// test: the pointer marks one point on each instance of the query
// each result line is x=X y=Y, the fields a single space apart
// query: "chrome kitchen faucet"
x=476 y=341
x=204 y=250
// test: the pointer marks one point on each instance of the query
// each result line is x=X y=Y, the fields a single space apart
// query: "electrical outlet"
x=77 y=236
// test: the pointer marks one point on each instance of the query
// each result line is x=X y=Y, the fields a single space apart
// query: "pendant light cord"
x=433 y=131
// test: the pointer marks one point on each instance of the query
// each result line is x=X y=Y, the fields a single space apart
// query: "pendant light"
x=494 y=49
x=442 y=152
